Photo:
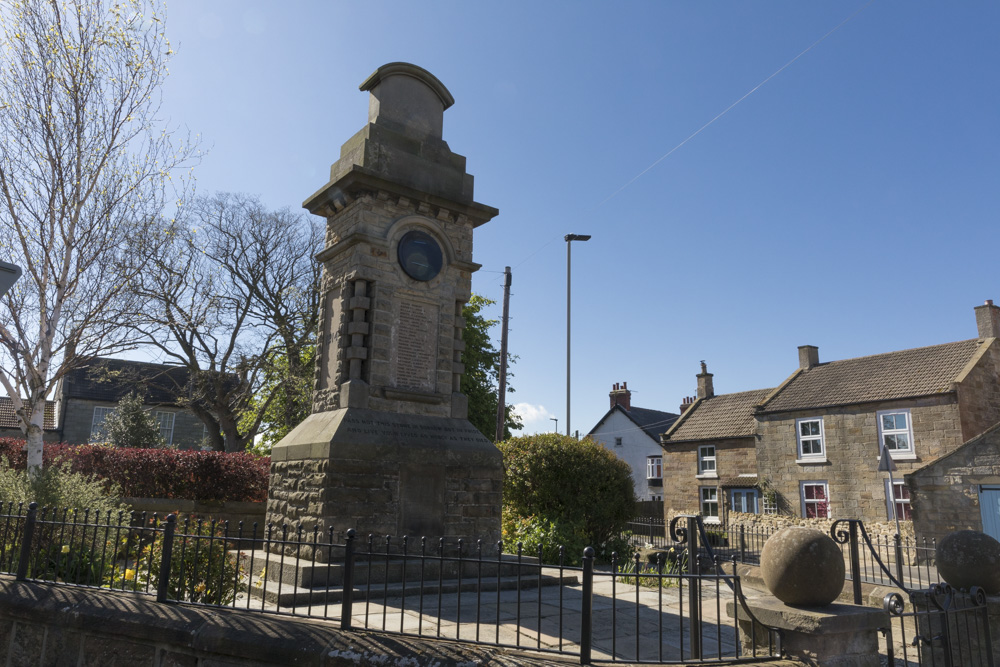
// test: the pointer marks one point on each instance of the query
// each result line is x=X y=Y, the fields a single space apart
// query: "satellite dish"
x=9 y=273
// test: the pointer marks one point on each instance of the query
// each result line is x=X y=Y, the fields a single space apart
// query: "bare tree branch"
x=85 y=171
x=235 y=290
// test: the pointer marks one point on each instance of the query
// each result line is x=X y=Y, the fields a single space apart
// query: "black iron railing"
x=940 y=627
x=670 y=611
x=880 y=559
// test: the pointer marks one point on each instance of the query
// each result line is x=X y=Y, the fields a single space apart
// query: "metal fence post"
x=855 y=561
x=167 y=557
x=29 y=531
x=743 y=544
x=694 y=586
x=587 y=610
x=899 y=558
x=347 y=600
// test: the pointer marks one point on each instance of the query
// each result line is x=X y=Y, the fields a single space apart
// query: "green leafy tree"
x=290 y=387
x=131 y=425
x=480 y=383
x=560 y=489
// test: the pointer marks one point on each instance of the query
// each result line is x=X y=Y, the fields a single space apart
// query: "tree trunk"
x=35 y=433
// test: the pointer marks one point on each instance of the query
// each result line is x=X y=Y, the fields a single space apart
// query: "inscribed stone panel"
x=412 y=359
x=329 y=368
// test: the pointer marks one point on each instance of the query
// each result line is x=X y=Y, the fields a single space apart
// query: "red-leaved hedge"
x=158 y=473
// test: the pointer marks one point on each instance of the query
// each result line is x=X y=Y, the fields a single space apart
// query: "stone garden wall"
x=774 y=522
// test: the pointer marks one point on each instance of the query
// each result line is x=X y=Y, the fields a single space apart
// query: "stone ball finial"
x=802 y=566
x=968 y=558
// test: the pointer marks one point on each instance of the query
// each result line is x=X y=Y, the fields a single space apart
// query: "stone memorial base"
x=387 y=474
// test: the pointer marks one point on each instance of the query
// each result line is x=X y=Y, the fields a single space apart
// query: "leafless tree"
x=85 y=168
x=234 y=292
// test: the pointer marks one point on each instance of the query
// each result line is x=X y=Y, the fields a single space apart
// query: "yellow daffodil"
x=65 y=549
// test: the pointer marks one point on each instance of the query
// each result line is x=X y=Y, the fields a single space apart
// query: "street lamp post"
x=569 y=244
x=556 y=420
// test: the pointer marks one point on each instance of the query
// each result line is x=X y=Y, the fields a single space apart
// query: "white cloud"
x=536 y=418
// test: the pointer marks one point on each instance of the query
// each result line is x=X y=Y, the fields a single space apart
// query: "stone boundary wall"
x=883 y=530
x=231 y=511
x=62 y=625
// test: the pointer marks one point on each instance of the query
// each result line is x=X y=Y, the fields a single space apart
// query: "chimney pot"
x=808 y=356
x=620 y=395
x=988 y=320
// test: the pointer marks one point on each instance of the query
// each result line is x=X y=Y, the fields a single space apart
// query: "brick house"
x=87 y=394
x=709 y=454
x=633 y=433
x=818 y=436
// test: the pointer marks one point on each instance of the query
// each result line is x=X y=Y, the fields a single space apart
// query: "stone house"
x=633 y=433
x=10 y=427
x=818 y=436
x=87 y=394
x=709 y=454
x=959 y=491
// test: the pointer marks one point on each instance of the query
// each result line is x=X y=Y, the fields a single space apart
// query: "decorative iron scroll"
x=841 y=536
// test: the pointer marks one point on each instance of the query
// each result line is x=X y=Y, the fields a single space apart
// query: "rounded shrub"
x=557 y=486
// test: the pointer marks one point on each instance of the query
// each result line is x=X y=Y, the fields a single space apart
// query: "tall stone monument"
x=388 y=448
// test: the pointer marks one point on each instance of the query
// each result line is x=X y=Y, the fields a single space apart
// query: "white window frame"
x=162 y=418
x=618 y=442
x=883 y=433
x=707 y=462
x=100 y=414
x=804 y=502
x=654 y=467
x=811 y=457
x=905 y=504
x=704 y=501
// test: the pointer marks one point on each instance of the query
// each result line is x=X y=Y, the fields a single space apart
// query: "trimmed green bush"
x=558 y=487
x=58 y=486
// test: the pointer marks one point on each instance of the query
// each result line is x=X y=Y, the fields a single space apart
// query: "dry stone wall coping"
x=42 y=624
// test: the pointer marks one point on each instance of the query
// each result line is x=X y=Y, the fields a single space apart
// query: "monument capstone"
x=388 y=448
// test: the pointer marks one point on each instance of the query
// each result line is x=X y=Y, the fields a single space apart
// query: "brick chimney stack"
x=808 y=356
x=620 y=395
x=988 y=320
x=705 y=388
x=686 y=403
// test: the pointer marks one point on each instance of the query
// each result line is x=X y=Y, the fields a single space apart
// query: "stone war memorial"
x=388 y=449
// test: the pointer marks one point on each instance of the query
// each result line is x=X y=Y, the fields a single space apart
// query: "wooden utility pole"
x=502 y=399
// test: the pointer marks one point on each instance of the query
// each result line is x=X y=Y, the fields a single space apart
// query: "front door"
x=989 y=507
x=744 y=500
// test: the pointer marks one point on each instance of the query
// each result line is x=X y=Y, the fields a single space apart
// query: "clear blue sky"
x=851 y=202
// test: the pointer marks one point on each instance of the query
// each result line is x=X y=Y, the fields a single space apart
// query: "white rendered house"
x=633 y=434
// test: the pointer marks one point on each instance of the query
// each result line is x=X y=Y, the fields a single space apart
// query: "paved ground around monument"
x=627 y=621
x=654 y=622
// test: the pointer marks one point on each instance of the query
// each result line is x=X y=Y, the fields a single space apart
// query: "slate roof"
x=719 y=417
x=105 y=379
x=8 y=419
x=921 y=371
x=652 y=422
